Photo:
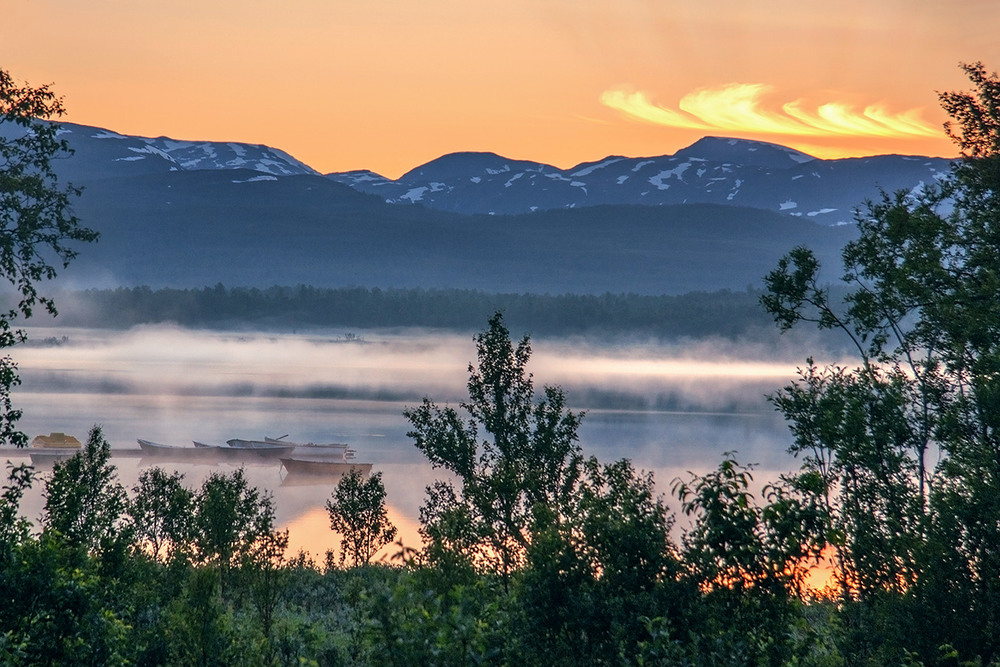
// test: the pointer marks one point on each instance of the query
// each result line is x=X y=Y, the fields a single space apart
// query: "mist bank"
x=398 y=367
x=725 y=314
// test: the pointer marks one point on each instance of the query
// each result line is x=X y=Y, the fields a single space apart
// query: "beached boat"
x=260 y=447
x=317 y=445
x=321 y=468
x=218 y=451
x=339 y=450
x=175 y=452
x=55 y=440
x=149 y=447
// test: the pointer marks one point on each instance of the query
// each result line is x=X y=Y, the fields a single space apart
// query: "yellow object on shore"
x=56 y=440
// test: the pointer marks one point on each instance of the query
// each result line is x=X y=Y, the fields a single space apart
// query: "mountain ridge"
x=173 y=213
x=718 y=170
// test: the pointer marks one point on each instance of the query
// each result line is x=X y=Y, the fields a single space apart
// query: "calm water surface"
x=669 y=409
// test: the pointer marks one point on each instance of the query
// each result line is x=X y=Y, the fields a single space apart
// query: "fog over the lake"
x=165 y=361
x=668 y=407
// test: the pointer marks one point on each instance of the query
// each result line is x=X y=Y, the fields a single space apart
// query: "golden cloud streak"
x=638 y=105
x=740 y=107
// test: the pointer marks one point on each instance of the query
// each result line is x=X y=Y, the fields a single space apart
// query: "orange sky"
x=389 y=84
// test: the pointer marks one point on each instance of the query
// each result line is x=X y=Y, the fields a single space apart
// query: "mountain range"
x=715 y=215
x=713 y=170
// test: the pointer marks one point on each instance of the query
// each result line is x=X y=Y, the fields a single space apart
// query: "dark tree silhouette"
x=37 y=226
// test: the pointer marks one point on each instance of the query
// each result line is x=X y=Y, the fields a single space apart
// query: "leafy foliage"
x=161 y=512
x=923 y=315
x=357 y=511
x=84 y=502
x=594 y=569
x=37 y=227
x=14 y=529
x=529 y=456
x=233 y=523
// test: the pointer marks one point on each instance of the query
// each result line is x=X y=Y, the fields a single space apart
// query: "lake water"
x=670 y=409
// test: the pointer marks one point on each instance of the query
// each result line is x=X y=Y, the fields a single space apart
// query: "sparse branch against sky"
x=391 y=84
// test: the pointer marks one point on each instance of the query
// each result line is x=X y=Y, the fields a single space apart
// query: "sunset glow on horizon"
x=391 y=85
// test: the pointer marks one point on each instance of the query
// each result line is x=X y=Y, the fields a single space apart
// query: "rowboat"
x=317 y=445
x=317 y=468
x=218 y=451
x=47 y=456
x=150 y=447
x=338 y=450
x=260 y=447
x=175 y=452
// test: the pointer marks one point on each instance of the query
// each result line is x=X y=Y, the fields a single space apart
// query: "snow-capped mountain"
x=713 y=170
x=101 y=153
x=717 y=214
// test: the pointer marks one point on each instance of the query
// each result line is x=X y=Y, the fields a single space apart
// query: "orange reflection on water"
x=310 y=532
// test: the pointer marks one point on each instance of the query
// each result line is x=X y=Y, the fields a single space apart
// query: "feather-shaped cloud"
x=740 y=107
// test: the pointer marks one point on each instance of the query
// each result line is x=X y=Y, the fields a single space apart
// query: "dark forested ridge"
x=188 y=229
x=697 y=314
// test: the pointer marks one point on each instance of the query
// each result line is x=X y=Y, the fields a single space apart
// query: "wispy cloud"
x=742 y=107
x=638 y=105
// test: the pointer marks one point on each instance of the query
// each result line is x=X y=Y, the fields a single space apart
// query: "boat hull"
x=339 y=451
x=314 y=468
x=260 y=448
x=177 y=452
x=149 y=447
x=44 y=458
x=307 y=445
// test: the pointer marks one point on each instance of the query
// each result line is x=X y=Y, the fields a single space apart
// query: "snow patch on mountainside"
x=415 y=194
x=257 y=179
x=594 y=167
x=513 y=178
x=107 y=134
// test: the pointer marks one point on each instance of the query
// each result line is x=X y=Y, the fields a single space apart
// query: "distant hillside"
x=714 y=170
x=187 y=214
x=200 y=228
